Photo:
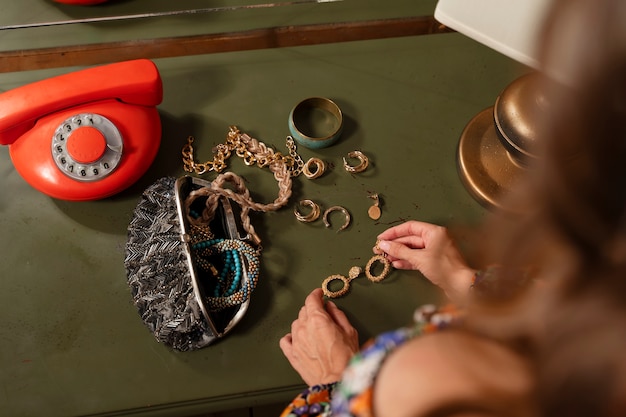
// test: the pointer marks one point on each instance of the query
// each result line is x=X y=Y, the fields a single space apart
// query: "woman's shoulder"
x=353 y=394
x=452 y=373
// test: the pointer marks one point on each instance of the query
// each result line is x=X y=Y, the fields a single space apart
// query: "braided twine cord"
x=252 y=151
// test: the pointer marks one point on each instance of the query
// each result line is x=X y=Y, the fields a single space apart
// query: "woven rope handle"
x=240 y=193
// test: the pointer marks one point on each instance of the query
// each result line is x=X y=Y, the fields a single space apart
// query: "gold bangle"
x=313 y=168
x=363 y=162
x=341 y=209
x=307 y=128
x=312 y=216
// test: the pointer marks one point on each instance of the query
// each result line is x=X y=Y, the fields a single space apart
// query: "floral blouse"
x=352 y=396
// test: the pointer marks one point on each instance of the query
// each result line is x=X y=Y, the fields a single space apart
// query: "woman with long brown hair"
x=544 y=332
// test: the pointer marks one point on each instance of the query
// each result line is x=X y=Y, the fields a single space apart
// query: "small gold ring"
x=312 y=216
x=313 y=168
x=363 y=162
x=341 y=209
x=386 y=267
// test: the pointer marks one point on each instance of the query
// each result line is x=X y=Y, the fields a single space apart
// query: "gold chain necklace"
x=252 y=151
x=243 y=147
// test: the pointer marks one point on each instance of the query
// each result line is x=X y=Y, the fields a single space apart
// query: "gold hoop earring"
x=341 y=209
x=363 y=162
x=312 y=216
x=386 y=267
x=354 y=272
x=313 y=168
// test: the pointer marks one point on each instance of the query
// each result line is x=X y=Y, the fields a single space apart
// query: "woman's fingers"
x=338 y=316
x=410 y=228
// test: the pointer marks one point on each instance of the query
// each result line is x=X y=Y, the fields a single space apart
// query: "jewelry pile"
x=233 y=263
x=233 y=253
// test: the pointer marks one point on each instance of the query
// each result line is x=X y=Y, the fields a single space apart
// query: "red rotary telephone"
x=81 y=2
x=85 y=135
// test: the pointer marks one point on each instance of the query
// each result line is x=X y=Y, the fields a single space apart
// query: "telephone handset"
x=84 y=135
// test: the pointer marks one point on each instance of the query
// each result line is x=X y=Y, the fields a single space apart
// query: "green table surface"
x=72 y=341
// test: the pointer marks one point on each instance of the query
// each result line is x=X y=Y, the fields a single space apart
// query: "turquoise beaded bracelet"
x=238 y=257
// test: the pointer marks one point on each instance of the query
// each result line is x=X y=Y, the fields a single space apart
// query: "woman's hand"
x=321 y=341
x=429 y=249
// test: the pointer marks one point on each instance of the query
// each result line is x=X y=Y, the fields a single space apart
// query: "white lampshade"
x=511 y=27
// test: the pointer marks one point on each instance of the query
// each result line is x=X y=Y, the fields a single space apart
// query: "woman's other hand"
x=429 y=249
x=321 y=341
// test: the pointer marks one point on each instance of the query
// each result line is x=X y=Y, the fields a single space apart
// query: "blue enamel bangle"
x=316 y=122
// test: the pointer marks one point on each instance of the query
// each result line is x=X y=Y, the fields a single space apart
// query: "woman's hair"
x=572 y=324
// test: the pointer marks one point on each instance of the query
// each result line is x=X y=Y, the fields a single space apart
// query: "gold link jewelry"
x=298 y=163
x=252 y=152
x=240 y=144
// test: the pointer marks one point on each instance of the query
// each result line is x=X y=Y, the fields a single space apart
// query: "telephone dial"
x=84 y=135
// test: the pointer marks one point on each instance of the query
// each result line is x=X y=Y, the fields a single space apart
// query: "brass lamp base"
x=486 y=168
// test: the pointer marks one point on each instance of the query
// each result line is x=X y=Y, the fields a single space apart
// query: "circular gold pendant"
x=374 y=212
